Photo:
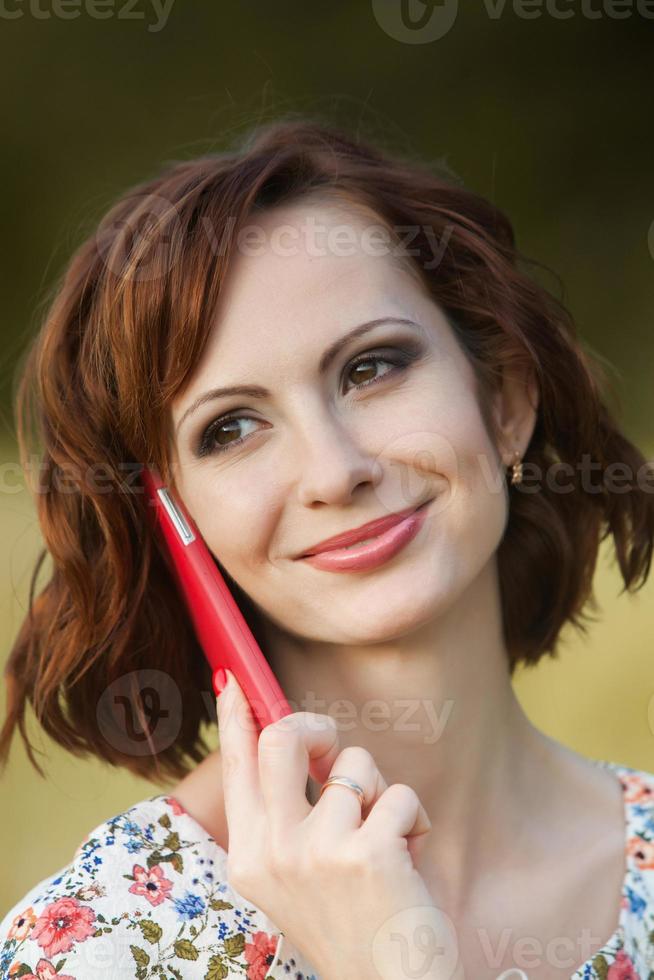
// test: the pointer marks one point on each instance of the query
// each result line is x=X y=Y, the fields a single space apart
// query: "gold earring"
x=516 y=469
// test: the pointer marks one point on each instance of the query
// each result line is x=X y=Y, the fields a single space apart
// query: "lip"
x=383 y=546
x=369 y=530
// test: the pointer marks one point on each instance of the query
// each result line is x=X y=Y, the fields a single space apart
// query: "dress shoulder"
x=638 y=785
x=145 y=895
x=629 y=953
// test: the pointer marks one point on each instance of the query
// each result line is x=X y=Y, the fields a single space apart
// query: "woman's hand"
x=345 y=892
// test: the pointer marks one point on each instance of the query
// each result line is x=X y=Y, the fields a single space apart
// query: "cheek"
x=439 y=444
x=238 y=523
x=466 y=469
x=479 y=507
x=462 y=429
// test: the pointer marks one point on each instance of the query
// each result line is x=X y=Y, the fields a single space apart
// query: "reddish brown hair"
x=125 y=330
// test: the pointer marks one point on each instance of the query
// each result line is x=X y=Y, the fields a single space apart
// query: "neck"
x=437 y=711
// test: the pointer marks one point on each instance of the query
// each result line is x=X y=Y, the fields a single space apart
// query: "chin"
x=391 y=619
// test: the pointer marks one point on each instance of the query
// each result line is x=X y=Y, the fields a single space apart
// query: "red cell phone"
x=223 y=633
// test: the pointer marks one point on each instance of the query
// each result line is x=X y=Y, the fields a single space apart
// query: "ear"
x=515 y=408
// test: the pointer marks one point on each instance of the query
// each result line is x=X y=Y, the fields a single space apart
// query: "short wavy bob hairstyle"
x=125 y=329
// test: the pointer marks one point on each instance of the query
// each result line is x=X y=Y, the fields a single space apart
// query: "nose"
x=332 y=464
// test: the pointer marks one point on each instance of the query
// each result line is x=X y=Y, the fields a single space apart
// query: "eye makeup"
x=399 y=356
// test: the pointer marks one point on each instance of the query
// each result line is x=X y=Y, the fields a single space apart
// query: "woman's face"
x=325 y=451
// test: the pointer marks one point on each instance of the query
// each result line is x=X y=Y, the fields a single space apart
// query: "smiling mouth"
x=371 y=538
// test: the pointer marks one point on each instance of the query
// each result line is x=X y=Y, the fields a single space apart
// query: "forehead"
x=313 y=255
x=303 y=275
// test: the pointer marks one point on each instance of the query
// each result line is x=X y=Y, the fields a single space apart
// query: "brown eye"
x=359 y=371
x=227 y=429
x=212 y=440
x=364 y=370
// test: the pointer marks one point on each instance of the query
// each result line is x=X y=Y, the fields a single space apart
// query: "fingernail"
x=219 y=680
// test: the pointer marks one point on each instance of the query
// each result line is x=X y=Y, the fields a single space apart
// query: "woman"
x=392 y=361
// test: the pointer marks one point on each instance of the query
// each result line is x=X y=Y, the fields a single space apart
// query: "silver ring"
x=344 y=781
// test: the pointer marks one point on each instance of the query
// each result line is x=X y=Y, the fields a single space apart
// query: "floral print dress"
x=146 y=895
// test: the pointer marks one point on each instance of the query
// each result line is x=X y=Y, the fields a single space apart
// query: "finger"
x=238 y=737
x=288 y=748
x=398 y=813
x=339 y=809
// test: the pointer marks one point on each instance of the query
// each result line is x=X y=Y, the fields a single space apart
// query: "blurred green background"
x=548 y=116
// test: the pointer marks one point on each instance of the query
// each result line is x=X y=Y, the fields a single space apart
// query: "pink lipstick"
x=374 y=551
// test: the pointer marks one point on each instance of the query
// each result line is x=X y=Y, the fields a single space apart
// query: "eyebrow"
x=256 y=391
